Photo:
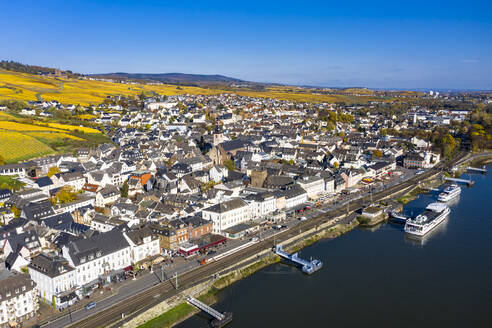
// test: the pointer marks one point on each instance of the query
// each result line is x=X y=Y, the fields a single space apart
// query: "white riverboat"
x=430 y=218
x=449 y=193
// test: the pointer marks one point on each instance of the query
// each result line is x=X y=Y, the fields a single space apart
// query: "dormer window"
x=23 y=288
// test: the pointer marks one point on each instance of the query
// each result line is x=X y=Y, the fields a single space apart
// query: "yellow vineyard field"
x=53 y=136
x=73 y=128
x=14 y=126
x=6 y=117
x=20 y=86
x=15 y=146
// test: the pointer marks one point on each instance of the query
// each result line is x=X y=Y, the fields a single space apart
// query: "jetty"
x=482 y=170
x=308 y=267
x=468 y=182
x=220 y=319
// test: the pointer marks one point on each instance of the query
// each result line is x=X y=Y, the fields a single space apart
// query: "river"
x=379 y=277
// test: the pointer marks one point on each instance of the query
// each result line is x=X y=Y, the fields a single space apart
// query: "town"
x=189 y=178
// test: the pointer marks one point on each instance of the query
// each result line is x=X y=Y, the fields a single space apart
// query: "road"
x=149 y=290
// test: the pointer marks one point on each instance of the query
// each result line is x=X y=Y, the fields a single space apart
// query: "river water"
x=379 y=277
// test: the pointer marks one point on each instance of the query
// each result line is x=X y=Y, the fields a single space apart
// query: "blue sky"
x=378 y=44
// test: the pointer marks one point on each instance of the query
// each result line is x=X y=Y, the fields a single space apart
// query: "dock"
x=308 y=267
x=220 y=319
x=465 y=181
x=482 y=170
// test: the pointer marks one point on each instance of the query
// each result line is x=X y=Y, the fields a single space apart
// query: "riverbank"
x=422 y=188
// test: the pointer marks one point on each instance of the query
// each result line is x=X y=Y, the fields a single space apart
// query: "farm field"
x=27 y=87
x=15 y=146
x=14 y=126
x=23 y=141
x=73 y=128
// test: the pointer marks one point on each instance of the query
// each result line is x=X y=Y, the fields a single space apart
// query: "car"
x=91 y=305
x=254 y=239
x=303 y=218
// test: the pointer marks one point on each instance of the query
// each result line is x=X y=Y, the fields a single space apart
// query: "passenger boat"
x=430 y=218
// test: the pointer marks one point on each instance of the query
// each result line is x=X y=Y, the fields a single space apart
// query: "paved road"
x=149 y=291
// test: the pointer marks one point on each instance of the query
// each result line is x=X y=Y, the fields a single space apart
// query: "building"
x=142 y=176
x=313 y=185
x=294 y=196
x=227 y=214
x=55 y=279
x=102 y=254
x=261 y=204
x=414 y=161
x=143 y=244
x=106 y=196
x=18 y=299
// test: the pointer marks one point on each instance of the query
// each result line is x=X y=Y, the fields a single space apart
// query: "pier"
x=220 y=320
x=308 y=267
x=477 y=169
x=466 y=181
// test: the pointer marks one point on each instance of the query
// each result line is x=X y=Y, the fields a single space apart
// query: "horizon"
x=428 y=46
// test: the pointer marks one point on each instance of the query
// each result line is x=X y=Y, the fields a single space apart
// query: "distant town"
x=186 y=178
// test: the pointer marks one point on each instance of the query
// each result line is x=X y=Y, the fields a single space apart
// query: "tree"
x=377 y=153
x=124 y=189
x=448 y=145
x=230 y=165
x=2 y=160
x=65 y=195
x=53 y=170
x=15 y=210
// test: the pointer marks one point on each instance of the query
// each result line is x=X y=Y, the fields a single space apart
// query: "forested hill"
x=31 y=69
x=172 y=78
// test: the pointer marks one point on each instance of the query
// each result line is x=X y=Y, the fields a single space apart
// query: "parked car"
x=91 y=305
x=303 y=218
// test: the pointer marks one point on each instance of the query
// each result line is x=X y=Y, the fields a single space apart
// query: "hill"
x=29 y=83
x=172 y=78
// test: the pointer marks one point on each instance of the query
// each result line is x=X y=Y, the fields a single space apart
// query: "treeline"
x=30 y=69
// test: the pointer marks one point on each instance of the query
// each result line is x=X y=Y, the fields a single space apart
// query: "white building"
x=106 y=196
x=313 y=185
x=143 y=244
x=261 y=205
x=76 y=204
x=18 y=299
x=227 y=214
x=217 y=173
x=55 y=279
x=101 y=254
x=294 y=196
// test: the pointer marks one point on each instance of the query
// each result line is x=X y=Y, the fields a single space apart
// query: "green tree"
x=124 y=189
x=448 y=145
x=230 y=165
